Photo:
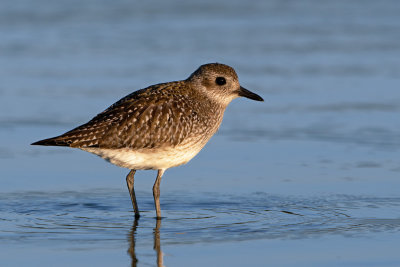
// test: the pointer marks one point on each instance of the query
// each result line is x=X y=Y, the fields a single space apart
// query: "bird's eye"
x=220 y=81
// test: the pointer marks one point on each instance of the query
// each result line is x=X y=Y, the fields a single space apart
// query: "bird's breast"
x=144 y=159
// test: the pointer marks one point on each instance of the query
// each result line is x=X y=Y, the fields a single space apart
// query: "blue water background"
x=311 y=176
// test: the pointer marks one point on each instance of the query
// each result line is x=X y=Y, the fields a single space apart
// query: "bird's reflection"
x=132 y=243
x=157 y=247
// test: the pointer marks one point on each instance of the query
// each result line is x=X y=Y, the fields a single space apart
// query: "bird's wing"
x=143 y=119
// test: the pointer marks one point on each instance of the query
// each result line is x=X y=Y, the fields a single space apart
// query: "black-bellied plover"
x=159 y=127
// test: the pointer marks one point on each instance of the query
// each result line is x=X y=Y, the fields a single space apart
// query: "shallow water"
x=310 y=177
x=91 y=221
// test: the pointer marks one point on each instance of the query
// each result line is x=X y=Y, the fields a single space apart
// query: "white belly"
x=145 y=159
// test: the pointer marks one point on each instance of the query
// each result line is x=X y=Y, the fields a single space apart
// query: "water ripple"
x=104 y=215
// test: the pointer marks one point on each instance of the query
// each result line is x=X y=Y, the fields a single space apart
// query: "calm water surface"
x=310 y=177
x=69 y=223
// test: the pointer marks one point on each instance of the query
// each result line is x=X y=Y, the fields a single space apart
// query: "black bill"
x=246 y=93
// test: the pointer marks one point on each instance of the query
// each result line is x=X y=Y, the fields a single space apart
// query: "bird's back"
x=162 y=115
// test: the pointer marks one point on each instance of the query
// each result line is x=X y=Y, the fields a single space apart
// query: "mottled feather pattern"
x=159 y=127
x=160 y=115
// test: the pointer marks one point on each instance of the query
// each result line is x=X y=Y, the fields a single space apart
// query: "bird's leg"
x=156 y=193
x=130 y=180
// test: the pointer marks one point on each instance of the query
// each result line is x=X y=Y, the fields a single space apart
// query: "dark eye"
x=220 y=81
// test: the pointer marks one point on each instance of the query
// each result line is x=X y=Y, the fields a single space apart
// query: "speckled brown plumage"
x=161 y=126
x=160 y=115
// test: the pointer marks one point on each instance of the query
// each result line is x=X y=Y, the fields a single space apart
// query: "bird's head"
x=220 y=82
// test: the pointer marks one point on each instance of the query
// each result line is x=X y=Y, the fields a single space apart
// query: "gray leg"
x=156 y=193
x=130 y=180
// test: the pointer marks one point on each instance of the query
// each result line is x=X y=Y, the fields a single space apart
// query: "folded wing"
x=143 y=119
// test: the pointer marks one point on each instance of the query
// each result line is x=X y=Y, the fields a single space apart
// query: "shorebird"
x=159 y=127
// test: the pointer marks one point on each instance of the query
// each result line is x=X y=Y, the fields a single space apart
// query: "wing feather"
x=143 y=119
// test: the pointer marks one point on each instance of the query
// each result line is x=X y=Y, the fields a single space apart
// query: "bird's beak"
x=246 y=93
